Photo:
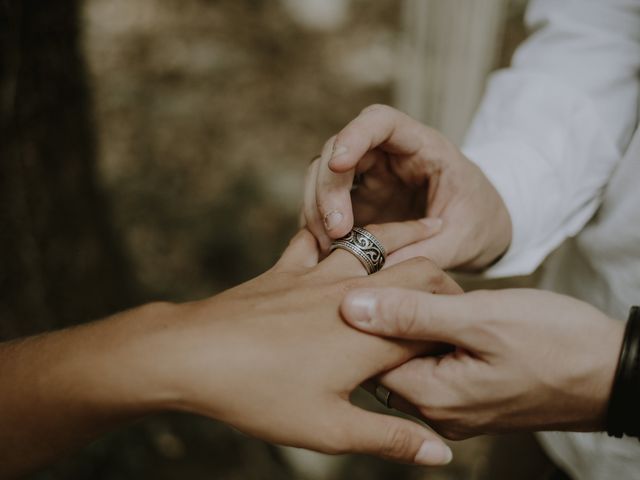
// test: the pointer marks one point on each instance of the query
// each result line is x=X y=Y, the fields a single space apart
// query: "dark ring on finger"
x=383 y=395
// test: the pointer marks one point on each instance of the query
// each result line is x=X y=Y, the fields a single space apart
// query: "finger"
x=392 y=438
x=440 y=247
x=369 y=160
x=410 y=314
x=427 y=383
x=312 y=217
x=418 y=273
x=395 y=235
x=391 y=235
x=309 y=185
x=333 y=195
x=302 y=252
x=377 y=125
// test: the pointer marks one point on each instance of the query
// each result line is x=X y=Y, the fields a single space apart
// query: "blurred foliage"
x=209 y=113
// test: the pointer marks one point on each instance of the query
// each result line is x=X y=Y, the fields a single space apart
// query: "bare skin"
x=408 y=171
x=271 y=357
x=525 y=360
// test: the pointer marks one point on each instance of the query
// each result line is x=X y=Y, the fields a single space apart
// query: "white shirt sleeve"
x=552 y=127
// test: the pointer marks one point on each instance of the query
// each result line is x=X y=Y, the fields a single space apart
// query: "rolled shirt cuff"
x=514 y=170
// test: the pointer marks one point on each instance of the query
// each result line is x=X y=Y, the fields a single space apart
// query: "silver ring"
x=383 y=395
x=364 y=246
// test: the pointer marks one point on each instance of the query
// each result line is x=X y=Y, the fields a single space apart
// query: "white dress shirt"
x=557 y=134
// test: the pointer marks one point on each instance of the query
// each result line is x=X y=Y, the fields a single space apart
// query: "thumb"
x=393 y=438
x=410 y=314
x=302 y=252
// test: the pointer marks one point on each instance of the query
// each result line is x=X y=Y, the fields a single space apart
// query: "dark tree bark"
x=60 y=262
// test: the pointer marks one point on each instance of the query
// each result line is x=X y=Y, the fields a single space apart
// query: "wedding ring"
x=383 y=395
x=364 y=246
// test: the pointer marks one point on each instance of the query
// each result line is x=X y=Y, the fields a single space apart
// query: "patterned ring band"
x=364 y=246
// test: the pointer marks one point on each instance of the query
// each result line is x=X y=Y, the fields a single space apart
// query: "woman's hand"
x=273 y=358
x=525 y=360
x=407 y=171
x=270 y=357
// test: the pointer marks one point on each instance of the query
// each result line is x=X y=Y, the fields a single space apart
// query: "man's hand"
x=523 y=359
x=406 y=171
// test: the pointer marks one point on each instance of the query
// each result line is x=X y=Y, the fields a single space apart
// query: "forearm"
x=62 y=389
x=254 y=357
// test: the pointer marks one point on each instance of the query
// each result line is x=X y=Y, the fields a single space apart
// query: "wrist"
x=116 y=363
x=494 y=231
x=604 y=370
x=185 y=352
x=501 y=233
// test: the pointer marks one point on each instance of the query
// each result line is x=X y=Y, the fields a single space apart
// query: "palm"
x=383 y=196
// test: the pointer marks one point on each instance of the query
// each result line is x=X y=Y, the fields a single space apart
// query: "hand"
x=284 y=363
x=409 y=171
x=523 y=359
x=270 y=357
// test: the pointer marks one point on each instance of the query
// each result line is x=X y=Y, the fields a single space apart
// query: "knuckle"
x=436 y=282
x=397 y=443
x=406 y=311
x=376 y=108
x=422 y=263
x=327 y=190
x=433 y=278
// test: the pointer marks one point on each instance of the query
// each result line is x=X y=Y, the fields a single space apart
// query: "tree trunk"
x=60 y=263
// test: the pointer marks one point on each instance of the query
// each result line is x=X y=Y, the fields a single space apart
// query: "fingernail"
x=361 y=308
x=433 y=453
x=434 y=224
x=339 y=150
x=332 y=219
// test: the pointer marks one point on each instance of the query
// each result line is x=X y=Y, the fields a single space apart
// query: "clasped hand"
x=523 y=359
